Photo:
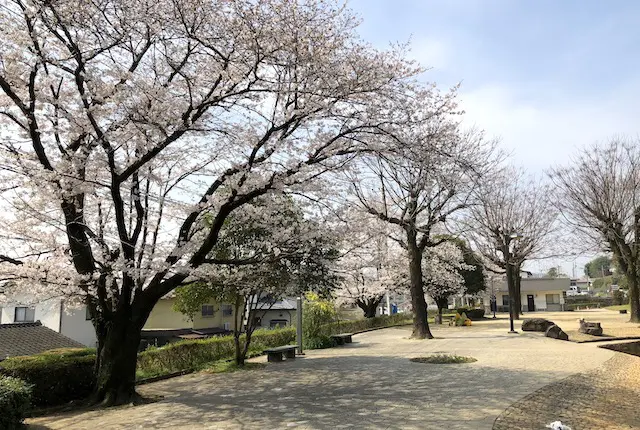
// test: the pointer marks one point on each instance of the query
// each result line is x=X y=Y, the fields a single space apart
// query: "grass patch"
x=619 y=307
x=443 y=359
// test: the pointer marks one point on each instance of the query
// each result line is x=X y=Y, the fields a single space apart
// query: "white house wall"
x=69 y=322
x=77 y=327
x=47 y=312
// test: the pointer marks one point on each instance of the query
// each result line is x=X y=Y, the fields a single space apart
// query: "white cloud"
x=545 y=129
x=432 y=53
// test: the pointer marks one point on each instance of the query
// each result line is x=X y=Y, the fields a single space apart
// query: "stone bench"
x=342 y=338
x=277 y=354
x=592 y=328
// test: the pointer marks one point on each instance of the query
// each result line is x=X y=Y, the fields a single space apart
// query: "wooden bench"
x=279 y=353
x=342 y=338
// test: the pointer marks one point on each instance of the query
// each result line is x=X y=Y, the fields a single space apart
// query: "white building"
x=73 y=323
x=537 y=294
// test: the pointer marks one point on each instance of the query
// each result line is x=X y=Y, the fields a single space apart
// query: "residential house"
x=28 y=338
x=282 y=313
x=72 y=322
x=165 y=324
x=537 y=294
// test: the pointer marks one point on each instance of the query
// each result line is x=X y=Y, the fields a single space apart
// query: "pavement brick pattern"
x=371 y=384
x=605 y=398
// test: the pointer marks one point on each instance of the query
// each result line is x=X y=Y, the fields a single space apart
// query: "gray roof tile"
x=31 y=338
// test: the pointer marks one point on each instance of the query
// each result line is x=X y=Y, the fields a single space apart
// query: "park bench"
x=279 y=353
x=342 y=338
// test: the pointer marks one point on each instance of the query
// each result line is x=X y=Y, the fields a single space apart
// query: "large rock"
x=556 y=332
x=592 y=328
x=536 y=324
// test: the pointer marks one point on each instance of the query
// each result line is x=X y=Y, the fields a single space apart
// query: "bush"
x=193 y=354
x=473 y=314
x=15 y=401
x=319 y=342
x=619 y=298
x=56 y=378
x=316 y=314
x=364 y=324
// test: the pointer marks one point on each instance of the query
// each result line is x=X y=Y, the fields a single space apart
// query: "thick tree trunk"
x=116 y=361
x=634 y=298
x=512 y=292
x=369 y=306
x=418 y=302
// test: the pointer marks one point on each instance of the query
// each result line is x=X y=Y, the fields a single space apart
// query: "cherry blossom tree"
x=371 y=265
x=443 y=273
x=599 y=195
x=425 y=176
x=513 y=221
x=132 y=129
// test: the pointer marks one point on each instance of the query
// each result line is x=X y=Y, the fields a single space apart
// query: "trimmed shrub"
x=365 y=324
x=474 y=314
x=56 y=378
x=193 y=354
x=319 y=342
x=15 y=401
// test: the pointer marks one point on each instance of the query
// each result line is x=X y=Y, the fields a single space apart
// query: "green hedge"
x=367 y=323
x=474 y=314
x=57 y=376
x=192 y=354
x=15 y=400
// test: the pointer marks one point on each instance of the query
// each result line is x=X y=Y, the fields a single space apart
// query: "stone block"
x=536 y=324
x=556 y=332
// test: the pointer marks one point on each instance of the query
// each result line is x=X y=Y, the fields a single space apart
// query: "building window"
x=207 y=310
x=505 y=300
x=277 y=323
x=553 y=299
x=24 y=314
x=573 y=283
x=227 y=310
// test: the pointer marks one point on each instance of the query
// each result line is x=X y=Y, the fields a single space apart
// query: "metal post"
x=299 y=324
x=510 y=286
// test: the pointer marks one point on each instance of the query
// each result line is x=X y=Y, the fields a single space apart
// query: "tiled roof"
x=284 y=304
x=31 y=338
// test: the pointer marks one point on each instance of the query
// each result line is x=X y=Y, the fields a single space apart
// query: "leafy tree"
x=259 y=266
x=598 y=267
x=553 y=272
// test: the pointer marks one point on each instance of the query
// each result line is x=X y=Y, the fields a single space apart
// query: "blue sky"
x=546 y=77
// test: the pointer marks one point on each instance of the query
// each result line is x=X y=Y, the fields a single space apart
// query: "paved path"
x=368 y=384
x=605 y=399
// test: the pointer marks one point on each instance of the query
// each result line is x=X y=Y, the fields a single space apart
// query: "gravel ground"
x=604 y=398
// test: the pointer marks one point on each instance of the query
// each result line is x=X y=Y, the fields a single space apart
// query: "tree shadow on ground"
x=328 y=392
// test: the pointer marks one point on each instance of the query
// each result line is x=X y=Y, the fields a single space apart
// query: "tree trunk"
x=418 y=302
x=634 y=298
x=116 y=361
x=517 y=285
x=239 y=359
x=369 y=306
